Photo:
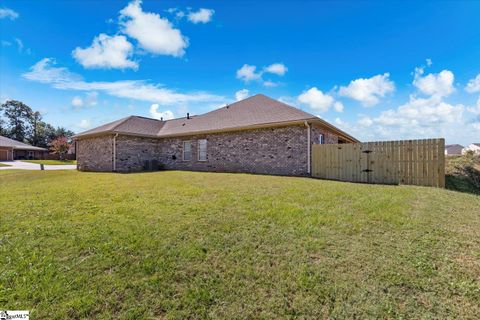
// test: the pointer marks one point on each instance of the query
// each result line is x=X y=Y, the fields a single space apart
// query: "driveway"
x=34 y=166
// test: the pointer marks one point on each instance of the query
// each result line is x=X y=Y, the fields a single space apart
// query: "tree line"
x=19 y=122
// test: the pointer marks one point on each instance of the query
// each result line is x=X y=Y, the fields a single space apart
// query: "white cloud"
x=476 y=109
x=77 y=102
x=440 y=84
x=338 y=106
x=109 y=52
x=365 y=121
x=368 y=91
x=19 y=44
x=473 y=85
x=418 y=118
x=339 y=122
x=241 y=94
x=84 y=124
x=316 y=99
x=153 y=33
x=270 y=84
x=6 y=43
x=201 y=16
x=165 y=115
x=90 y=100
x=6 y=13
x=45 y=71
x=248 y=73
x=276 y=68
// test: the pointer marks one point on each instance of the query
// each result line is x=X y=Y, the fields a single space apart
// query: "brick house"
x=15 y=150
x=255 y=135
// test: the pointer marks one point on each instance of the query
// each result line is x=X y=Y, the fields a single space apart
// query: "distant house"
x=255 y=135
x=474 y=147
x=453 y=149
x=15 y=150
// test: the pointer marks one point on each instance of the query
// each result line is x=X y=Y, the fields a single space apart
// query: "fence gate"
x=416 y=162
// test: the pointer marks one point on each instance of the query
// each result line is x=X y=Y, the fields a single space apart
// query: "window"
x=202 y=150
x=187 y=150
x=321 y=139
x=30 y=154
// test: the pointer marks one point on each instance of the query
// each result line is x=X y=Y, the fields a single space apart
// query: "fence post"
x=441 y=163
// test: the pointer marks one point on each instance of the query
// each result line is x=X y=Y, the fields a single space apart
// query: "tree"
x=3 y=128
x=62 y=132
x=36 y=133
x=18 y=116
x=60 y=146
x=21 y=123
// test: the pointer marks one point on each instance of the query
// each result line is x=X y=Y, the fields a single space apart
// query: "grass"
x=182 y=245
x=4 y=165
x=463 y=173
x=52 y=162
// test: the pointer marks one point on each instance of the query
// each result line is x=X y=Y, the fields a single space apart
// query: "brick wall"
x=133 y=151
x=95 y=154
x=329 y=138
x=279 y=151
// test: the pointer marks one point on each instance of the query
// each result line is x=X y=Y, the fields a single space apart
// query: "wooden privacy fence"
x=416 y=162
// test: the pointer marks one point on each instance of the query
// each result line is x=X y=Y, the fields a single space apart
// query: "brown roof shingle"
x=10 y=143
x=253 y=111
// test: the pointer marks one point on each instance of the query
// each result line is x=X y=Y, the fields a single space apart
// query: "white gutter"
x=115 y=152
x=308 y=146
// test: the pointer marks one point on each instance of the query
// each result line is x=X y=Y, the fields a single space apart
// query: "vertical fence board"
x=417 y=162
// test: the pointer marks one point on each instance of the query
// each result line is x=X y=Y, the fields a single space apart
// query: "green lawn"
x=203 y=245
x=50 y=162
x=4 y=165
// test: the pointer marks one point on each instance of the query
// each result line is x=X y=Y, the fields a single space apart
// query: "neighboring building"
x=255 y=135
x=453 y=150
x=15 y=150
x=474 y=147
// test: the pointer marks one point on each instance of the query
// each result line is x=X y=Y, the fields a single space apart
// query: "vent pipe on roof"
x=188 y=115
x=161 y=118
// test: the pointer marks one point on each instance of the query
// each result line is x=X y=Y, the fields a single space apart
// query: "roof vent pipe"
x=161 y=118
x=188 y=115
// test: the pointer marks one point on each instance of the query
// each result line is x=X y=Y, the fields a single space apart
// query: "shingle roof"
x=454 y=148
x=253 y=111
x=10 y=143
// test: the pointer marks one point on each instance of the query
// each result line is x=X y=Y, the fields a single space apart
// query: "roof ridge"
x=120 y=122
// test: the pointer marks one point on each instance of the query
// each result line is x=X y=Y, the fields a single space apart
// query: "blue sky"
x=380 y=71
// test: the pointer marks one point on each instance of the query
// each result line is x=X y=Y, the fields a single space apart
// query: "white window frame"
x=199 y=151
x=183 y=151
x=30 y=154
x=321 y=138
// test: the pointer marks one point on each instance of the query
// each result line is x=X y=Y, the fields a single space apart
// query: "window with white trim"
x=202 y=150
x=321 y=138
x=187 y=150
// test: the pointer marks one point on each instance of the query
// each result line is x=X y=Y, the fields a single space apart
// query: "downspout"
x=308 y=146
x=115 y=152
